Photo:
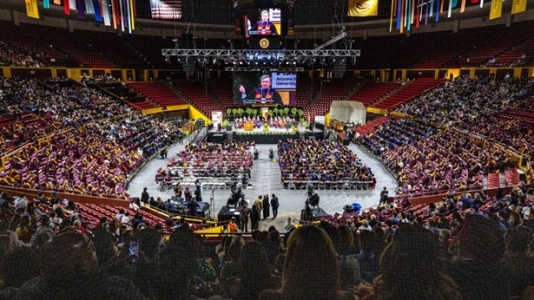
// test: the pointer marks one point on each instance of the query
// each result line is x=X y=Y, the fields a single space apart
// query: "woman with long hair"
x=411 y=268
x=310 y=269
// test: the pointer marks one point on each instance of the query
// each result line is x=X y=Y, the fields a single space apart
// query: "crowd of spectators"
x=470 y=247
x=10 y=56
x=310 y=161
x=74 y=139
x=446 y=146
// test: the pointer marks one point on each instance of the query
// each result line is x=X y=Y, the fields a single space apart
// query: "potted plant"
x=228 y=113
x=294 y=112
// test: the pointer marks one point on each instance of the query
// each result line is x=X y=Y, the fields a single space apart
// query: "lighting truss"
x=249 y=56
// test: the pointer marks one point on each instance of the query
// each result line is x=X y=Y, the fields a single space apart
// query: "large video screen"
x=265 y=88
x=262 y=22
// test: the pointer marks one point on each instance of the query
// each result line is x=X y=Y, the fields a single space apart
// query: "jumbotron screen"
x=265 y=88
x=262 y=22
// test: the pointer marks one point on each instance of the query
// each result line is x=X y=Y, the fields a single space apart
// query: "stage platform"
x=261 y=136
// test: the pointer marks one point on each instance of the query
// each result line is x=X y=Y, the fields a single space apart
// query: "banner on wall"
x=519 y=6
x=495 y=9
x=363 y=8
x=32 y=10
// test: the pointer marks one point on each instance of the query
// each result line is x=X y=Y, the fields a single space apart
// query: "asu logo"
x=264 y=43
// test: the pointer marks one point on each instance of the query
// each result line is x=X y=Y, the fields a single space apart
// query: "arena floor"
x=266 y=180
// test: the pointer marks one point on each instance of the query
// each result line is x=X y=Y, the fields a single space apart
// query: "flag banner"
x=431 y=14
x=410 y=15
x=32 y=10
x=481 y=3
x=403 y=8
x=57 y=2
x=132 y=15
x=495 y=9
x=122 y=13
x=89 y=8
x=412 y=9
x=166 y=9
x=72 y=4
x=46 y=4
x=399 y=13
x=474 y=1
x=462 y=7
x=427 y=8
x=441 y=7
x=449 y=13
x=80 y=5
x=98 y=13
x=418 y=15
x=363 y=8
x=454 y=3
x=437 y=11
x=106 y=14
x=115 y=13
x=66 y=7
x=391 y=15
x=519 y=6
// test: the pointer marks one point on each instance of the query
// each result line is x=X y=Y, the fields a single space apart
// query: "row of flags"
x=117 y=13
x=410 y=13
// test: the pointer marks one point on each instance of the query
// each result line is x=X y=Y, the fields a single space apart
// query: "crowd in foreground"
x=477 y=248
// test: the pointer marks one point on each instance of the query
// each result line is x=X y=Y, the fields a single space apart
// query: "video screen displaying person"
x=273 y=88
x=264 y=94
x=264 y=26
x=268 y=22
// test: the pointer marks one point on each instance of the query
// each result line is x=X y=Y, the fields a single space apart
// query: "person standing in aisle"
x=274 y=205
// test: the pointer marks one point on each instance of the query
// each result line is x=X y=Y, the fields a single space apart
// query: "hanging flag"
x=89 y=8
x=72 y=4
x=132 y=15
x=454 y=3
x=391 y=15
x=474 y=1
x=495 y=9
x=441 y=7
x=32 y=10
x=403 y=9
x=431 y=14
x=166 y=9
x=437 y=11
x=46 y=4
x=80 y=4
x=115 y=13
x=462 y=7
x=66 y=7
x=412 y=10
x=57 y=2
x=481 y=3
x=418 y=14
x=519 y=6
x=98 y=13
x=449 y=13
x=363 y=8
x=106 y=14
x=399 y=13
